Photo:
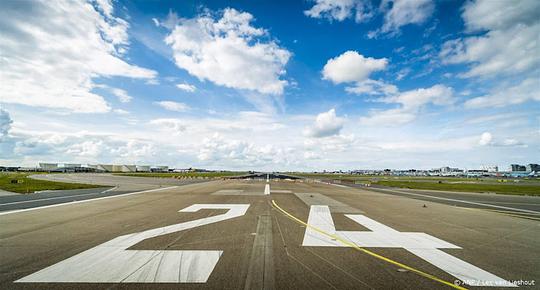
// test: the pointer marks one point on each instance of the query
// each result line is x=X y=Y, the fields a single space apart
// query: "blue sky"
x=266 y=85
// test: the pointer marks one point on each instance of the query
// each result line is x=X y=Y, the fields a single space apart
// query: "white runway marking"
x=280 y=191
x=463 y=201
x=381 y=236
x=82 y=201
x=267 y=189
x=58 y=197
x=110 y=262
x=228 y=191
x=110 y=189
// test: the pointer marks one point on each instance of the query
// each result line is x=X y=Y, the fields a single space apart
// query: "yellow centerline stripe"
x=353 y=245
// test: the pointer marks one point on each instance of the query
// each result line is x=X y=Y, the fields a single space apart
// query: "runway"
x=514 y=204
x=253 y=234
x=113 y=185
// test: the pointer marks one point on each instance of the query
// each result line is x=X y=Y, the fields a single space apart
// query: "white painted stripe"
x=111 y=262
x=82 y=201
x=462 y=201
x=280 y=191
x=469 y=274
x=320 y=217
x=57 y=197
x=175 y=267
x=110 y=189
x=267 y=189
x=330 y=183
x=382 y=236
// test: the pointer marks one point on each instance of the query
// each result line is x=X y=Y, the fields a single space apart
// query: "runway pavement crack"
x=340 y=269
x=158 y=252
x=289 y=255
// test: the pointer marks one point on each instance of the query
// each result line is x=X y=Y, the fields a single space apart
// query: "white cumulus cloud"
x=90 y=148
x=509 y=45
x=173 y=106
x=122 y=95
x=51 y=51
x=219 y=149
x=176 y=126
x=340 y=10
x=527 y=90
x=5 y=123
x=397 y=13
x=326 y=124
x=355 y=69
x=410 y=104
x=485 y=139
x=229 y=51
x=186 y=87
x=121 y=112
x=352 y=67
x=405 y=12
x=372 y=87
x=493 y=15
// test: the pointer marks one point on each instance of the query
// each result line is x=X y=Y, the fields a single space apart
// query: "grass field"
x=514 y=189
x=530 y=186
x=29 y=185
x=183 y=174
x=413 y=178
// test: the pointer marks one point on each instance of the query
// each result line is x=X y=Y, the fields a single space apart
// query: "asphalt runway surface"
x=229 y=234
x=514 y=204
x=113 y=185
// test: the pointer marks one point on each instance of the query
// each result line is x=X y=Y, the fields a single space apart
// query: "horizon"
x=217 y=85
x=504 y=168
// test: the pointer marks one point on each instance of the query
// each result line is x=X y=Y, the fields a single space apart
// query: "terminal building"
x=48 y=166
x=159 y=168
x=525 y=168
x=517 y=167
x=490 y=168
x=63 y=167
x=532 y=168
x=74 y=167
x=143 y=168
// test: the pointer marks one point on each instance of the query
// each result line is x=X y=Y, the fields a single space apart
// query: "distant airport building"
x=490 y=168
x=143 y=168
x=124 y=168
x=159 y=168
x=104 y=167
x=517 y=168
x=77 y=167
x=446 y=171
x=65 y=167
x=48 y=166
x=28 y=169
x=532 y=168
x=477 y=172
x=129 y=168
x=72 y=165
x=93 y=166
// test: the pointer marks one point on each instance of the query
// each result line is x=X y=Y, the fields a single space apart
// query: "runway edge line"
x=84 y=200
